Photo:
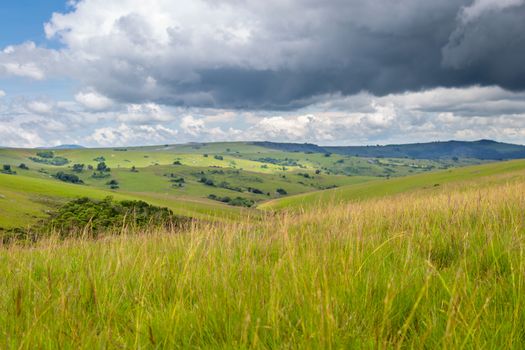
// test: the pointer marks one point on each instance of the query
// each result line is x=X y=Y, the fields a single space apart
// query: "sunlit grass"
x=425 y=270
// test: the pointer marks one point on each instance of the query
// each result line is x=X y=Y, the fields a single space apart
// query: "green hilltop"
x=215 y=181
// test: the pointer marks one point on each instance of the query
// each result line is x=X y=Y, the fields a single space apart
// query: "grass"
x=383 y=187
x=439 y=269
x=23 y=200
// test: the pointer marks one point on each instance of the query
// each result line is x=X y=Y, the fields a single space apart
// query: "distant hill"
x=482 y=149
x=291 y=147
x=63 y=147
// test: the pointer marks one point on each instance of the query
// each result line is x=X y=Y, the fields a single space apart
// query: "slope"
x=477 y=175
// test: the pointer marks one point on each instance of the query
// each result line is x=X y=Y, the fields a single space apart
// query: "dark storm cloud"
x=284 y=54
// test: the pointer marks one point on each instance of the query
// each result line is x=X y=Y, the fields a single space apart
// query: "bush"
x=113 y=184
x=218 y=157
x=134 y=170
x=71 y=178
x=23 y=166
x=100 y=175
x=177 y=162
x=102 y=167
x=78 y=168
x=255 y=190
x=57 y=161
x=46 y=154
x=104 y=215
x=238 y=201
x=228 y=186
x=282 y=191
x=6 y=169
x=242 y=202
x=206 y=181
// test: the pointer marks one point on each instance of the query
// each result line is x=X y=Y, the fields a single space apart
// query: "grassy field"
x=24 y=200
x=253 y=173
x=421 y=269
x=429 y=182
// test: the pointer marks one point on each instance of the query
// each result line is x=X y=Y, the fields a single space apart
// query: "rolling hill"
x=213 y=181
x=434 y=181
x=482 y=149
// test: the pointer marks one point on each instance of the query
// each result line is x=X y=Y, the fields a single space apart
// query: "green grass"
x=384 y=187
x=27 y=196
x=438 y=269
x=23 y=200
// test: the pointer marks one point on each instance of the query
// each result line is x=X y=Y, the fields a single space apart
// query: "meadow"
x=194 y=180
x=432 y=258
x=413 y=270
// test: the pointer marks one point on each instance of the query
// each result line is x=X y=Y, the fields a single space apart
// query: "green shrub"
x=102 y=167
x=282 y=191
x=98 y=216
x=46 y=154
x=71 y=178
x=206 y=181
x=238 y=201
x=78 y=168
x=56 y=161
x=6 y=169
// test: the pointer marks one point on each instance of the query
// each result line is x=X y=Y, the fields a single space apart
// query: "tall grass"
x=439 y=270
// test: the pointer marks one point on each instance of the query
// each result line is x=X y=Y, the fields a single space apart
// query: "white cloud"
x=93 y=100
x=132 y=135
x=16 y=136
x=438 y=114
x=28 y=70
x=145 y=113
x=2 y=93
x=192 y=126
x=40 y=107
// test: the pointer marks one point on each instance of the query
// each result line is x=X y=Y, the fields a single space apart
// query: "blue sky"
x=336 y=72
x=22 y=20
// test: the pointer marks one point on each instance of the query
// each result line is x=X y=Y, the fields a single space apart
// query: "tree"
x=134 y=170
x=281 y=191
x=45 y=154
x=72 y=178
x=23 y=166
x=78 y=168
x=103 y=167
x=113 y=184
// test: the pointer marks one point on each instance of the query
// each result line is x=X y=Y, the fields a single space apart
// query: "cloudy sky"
x=347 y=72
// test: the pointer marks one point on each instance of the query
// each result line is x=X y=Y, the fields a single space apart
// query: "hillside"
x=205 y=181
x=428 y=182
x=482 y=149
x=438 y=269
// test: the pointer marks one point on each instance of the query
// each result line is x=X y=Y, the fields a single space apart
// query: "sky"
x=333 y=72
